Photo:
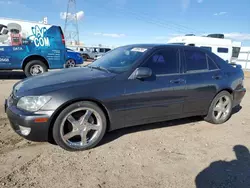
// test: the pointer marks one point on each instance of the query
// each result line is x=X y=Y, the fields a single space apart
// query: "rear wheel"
x=220 y=109
x=70 y=63
x=80 y=126
x=85 y=56
x=35 y=67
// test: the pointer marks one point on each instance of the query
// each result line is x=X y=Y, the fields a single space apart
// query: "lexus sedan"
x=131 y=85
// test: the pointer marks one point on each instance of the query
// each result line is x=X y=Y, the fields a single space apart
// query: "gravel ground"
x=183 y=153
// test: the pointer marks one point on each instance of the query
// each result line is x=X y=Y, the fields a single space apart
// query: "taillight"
x=62 y=35
x=63 y=39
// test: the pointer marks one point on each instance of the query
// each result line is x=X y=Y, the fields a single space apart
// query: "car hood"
x=55 y=80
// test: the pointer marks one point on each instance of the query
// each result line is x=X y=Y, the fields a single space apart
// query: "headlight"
x=33 y=103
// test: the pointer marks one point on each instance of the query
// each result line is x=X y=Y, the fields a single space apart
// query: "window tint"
x=222 y=50
x=164 y=62
x=212 y=65
x=195 y=60
x=207 y=48
x=101 y=50
x=106 y=50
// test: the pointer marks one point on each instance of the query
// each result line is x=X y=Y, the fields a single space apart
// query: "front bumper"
x=20 y=120
x=238 y=96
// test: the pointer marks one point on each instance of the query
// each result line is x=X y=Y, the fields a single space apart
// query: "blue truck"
x=30 y=46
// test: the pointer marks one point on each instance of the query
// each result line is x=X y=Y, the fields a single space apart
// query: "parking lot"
x=169 y=154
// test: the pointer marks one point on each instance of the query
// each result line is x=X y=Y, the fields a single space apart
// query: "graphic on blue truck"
x=21 y=42
x=39 y=37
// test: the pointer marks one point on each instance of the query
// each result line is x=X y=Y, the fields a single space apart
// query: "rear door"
x=202 y=78
x=56 y=51
x=162 y=95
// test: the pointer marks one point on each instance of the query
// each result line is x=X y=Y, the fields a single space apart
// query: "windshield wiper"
x=99 y=68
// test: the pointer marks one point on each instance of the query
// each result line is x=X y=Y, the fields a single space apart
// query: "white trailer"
x=224 y=48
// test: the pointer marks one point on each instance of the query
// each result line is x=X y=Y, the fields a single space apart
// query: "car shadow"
x=12 y=75
x=113 y=135
x=229 y=174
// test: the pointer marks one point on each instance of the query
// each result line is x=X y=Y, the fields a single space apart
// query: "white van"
x=224 y=48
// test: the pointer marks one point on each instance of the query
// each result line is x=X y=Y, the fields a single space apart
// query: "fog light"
x=25 y=131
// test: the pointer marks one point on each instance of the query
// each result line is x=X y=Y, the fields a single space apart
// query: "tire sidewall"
x=210 y=116
x=57 y=125
x=69 y=60
x=86 y=57
x=32 y=63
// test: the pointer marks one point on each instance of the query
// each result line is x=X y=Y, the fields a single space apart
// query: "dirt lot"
x=170 y=154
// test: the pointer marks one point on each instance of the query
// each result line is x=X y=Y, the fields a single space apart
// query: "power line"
x=146 y=18
x=162 y=21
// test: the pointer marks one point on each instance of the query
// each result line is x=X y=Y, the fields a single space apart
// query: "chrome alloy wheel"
x=81 y=127
x=70 y=63
x=36 y=69
x=222 y=108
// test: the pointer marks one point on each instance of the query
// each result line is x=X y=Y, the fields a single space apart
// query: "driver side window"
x=164 y=61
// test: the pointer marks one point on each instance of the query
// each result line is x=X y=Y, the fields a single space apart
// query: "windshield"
x=120 y=59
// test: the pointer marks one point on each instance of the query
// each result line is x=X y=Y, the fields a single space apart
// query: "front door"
x=159 y=97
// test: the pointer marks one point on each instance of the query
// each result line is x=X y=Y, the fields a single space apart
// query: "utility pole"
x=71 y=31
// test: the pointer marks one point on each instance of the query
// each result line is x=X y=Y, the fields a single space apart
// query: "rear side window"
x=195 y=60
x=211 y=64
x=164 y=62
x=222 y=50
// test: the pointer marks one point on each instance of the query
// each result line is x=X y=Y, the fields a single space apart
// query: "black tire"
x=59 y=121
x=27 y=68
x=85 y=56
x=68 y=65
x=211 y=117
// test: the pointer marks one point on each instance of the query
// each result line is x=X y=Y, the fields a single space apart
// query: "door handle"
x=217 y=77
x=178 y=81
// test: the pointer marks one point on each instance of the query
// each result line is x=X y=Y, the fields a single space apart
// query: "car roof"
x=155 y=46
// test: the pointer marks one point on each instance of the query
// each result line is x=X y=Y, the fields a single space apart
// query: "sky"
x=120 y=22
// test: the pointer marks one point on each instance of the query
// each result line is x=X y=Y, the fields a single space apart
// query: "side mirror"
x=142 y=72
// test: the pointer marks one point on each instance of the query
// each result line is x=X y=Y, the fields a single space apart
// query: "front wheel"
x=35 y=67
x=220 y=109
x=79 y=126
